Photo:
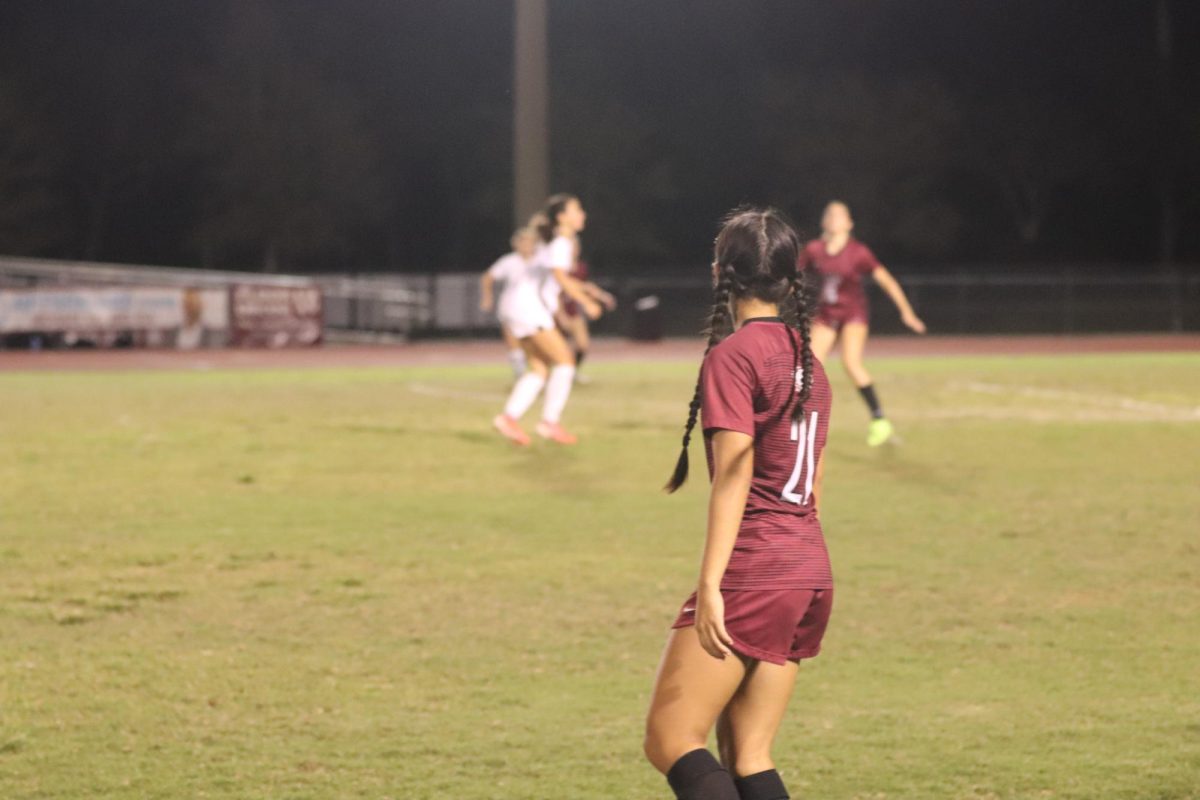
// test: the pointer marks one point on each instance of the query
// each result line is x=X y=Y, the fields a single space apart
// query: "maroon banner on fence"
x=274 y=316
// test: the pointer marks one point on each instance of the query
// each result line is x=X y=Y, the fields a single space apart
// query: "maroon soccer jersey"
x=749 y=384
x=580 y=273
x=841 y=275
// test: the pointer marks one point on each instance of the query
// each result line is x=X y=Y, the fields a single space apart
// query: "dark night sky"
x=375 y=134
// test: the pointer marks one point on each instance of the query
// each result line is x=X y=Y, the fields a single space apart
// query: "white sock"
x=558 y=389
x=516 y=359
x=523 y=393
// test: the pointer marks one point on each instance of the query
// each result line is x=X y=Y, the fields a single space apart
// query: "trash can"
x=647 y=319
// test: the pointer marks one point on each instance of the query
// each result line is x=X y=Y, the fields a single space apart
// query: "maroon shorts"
x=841 y=314
x=775 y=625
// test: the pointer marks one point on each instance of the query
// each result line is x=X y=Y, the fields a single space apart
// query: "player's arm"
x=574 y=290
x=892 y=288
x=487 y=286
x=599 y=295
x=733 y=467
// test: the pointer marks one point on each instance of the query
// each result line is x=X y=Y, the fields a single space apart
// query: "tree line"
x=321 y=137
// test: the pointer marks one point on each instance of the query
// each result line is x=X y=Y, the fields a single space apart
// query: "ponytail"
x=803 y=356
x=547 y=219
x=719 y=322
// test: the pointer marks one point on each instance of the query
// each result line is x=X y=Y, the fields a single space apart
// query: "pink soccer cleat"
x=555 y=433
x=510 y=429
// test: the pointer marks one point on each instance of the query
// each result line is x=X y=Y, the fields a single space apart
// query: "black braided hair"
x=720 y=322
x=802 y=302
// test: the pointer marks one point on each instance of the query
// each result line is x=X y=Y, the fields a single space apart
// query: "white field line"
x=429 y=390
x=1111 y=405
x=447 y=393
x=1083 y=407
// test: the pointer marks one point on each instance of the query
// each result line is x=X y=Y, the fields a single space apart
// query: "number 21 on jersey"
x=804 y=434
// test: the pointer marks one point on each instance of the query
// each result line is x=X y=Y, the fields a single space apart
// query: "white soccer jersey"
x=519 y=285
x=520 y=306
x=558 y=254
x=508 y=268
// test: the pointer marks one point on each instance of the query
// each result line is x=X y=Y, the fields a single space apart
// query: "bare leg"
x=510 y=341
x=563 y=320
x=551 y=348
x=690 y=691
x=823 y=338
x=578 y=327
x=533 y=358
x=523 y=393
x=854 y=341
x=752 y=717
x=517 y=359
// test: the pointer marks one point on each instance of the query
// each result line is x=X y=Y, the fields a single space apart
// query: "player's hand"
x=610 y=302
x=591 y=308
x=710 y=623
x=914 y=322
x=485 y=306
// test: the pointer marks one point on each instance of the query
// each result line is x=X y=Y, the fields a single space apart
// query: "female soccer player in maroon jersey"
x=842 y=261
x=765 y=589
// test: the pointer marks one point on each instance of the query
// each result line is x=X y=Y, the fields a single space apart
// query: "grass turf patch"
x=341 y=583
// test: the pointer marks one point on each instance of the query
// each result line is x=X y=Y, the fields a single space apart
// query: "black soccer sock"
x=868 y=396
x=765 y=785
x=579 y=356
x=699 y=776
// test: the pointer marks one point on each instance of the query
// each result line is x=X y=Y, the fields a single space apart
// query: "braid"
x=718 y=323
x=802 y=298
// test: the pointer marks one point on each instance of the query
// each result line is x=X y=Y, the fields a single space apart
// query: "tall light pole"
x=531 y=134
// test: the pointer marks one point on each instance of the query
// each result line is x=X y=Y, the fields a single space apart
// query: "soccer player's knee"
x=654 y=747
x=748 y=754
x=663 y=747
x=753 y=762
x=857 y=372
x=650 y=747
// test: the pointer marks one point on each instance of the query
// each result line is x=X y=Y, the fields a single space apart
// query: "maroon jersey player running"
x=842 y=262
x=765 y=589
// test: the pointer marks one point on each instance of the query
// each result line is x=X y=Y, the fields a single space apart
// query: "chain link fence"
x=976 y=299
x=991 y=299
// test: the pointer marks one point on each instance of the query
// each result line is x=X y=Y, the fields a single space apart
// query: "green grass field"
x=341 y=584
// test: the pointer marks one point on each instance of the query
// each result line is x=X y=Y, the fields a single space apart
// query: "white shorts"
x=522 y=327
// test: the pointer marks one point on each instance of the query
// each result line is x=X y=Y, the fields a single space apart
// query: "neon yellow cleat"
x=881 y=430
